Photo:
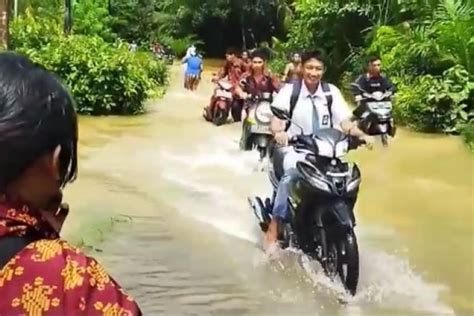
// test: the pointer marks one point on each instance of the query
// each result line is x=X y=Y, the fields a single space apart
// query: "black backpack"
x=295 y=94
x=11 y=245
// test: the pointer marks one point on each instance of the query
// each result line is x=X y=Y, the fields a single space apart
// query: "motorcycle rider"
x=373 y=80
x=313 y=105
x=293 y=69
x=246 y=59
x=233 y=70
x=257 y=80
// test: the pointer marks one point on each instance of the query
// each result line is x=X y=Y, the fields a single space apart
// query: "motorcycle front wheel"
x=220 y=116
x=343 y=260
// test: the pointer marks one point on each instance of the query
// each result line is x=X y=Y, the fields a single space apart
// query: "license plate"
x=260 y=129
x=223 y=94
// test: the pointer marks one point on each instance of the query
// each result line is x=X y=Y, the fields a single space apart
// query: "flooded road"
x=186 y=243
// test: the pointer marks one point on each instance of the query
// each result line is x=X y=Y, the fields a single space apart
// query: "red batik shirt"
x=51 y=277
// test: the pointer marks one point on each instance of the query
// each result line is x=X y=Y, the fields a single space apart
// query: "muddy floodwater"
x=184 y=241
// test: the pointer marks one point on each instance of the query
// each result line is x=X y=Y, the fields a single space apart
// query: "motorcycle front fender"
x=262 y=140
x=343 y=214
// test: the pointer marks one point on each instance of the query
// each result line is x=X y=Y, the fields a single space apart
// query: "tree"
x=4 y=25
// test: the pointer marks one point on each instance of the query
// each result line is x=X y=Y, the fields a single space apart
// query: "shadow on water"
x=191 y=247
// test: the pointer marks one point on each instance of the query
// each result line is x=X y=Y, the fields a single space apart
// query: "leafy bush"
x=431 y=62
x=467 y=131
x=277 y=65
x=104 y=79
x=436 y=104
x=156 y=69
x=28 y=31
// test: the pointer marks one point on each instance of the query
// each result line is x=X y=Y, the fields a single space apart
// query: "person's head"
x=296 y=58
x=231 y=54
x=313 y=68
x=38 y=133
x=259 y=61
x=193 y=51
x=245 y=55
x=374 y=66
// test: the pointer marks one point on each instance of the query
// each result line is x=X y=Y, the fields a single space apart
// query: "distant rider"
x=257 y=80
x=293 y=69
x=373 y=80
x=311 y=112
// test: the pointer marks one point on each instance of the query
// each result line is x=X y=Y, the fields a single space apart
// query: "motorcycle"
x=256 y=133
x=321 y=221
x=222 y=103
x=377 y=119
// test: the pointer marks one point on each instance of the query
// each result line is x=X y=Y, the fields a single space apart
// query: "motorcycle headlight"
x=263 y=113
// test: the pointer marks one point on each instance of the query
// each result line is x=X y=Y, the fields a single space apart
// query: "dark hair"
x=373 y=58
x=36 y=115
x=232 y=51
x=316 y=54
x=260 y=53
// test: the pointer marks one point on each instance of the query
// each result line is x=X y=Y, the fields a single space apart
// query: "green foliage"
x=331 y=26
x=467 y=132
x=104 y=79
x=179 y=46
x=28 y=31
x=434 y=104
x=135 y=20
x=92 y=17
x=432 y=64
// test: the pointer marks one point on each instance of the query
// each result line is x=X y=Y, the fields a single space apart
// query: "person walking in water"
x=41 y=274
x=194 y=68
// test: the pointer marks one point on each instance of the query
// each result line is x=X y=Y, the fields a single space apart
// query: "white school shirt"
x=303 y=111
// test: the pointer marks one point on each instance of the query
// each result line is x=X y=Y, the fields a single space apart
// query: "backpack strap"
x=327 y=93
x=295 y=94
x=10 y=246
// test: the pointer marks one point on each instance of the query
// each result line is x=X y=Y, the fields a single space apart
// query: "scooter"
x=256 y=133
x=218 y=112
x=321 y=219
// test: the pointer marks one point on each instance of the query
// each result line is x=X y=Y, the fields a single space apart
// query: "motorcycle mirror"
x=281 y=114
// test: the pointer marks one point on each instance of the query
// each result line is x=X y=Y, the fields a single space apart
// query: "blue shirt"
x=193 y=65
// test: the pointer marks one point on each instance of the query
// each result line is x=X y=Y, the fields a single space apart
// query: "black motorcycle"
x=376 y=117
x=321 y=221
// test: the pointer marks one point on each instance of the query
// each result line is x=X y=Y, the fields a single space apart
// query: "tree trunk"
x=4 y=19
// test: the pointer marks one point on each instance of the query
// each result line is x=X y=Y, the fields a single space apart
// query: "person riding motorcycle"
x=257 y=80
x=373 y=80
x=233 y=70
x=313 y=105
x=293 y=69
x=245 y=56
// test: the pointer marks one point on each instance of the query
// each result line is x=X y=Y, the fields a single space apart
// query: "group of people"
x=318 y=105
x=41 y=274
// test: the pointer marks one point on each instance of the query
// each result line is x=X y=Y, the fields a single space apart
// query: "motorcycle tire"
x=220 y=117
x=263 y=152
x=384 y=139
x=343 y=260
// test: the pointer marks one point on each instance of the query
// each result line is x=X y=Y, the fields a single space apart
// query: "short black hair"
x=232 y=51
x=373 y=58
x=315 y=54
x=261 y=53
x=36 y=115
